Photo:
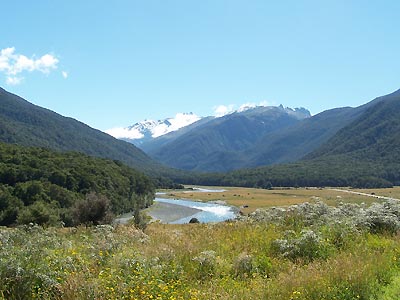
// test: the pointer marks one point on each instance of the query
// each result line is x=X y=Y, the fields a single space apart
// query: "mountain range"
x=211 y=143
x=254 y=137
x=344 y=146
x=216 y=145
x=365 y=152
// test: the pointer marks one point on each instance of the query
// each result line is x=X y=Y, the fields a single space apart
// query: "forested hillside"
x=26 y=124
x=47 y=187
x=375 y=135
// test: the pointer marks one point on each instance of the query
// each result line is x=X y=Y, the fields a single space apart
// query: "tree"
x=40 y=213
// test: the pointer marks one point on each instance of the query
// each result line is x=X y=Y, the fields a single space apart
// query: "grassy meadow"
x=262 y=198
x=305 y=251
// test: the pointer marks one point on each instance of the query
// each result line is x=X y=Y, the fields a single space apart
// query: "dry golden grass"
x=389 y=192
x=249 y=199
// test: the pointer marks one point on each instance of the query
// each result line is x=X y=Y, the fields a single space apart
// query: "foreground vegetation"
x=306 y=251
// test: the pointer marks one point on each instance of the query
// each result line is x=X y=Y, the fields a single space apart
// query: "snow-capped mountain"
x=150 y=129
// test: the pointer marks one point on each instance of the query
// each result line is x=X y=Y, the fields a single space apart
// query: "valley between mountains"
x=314 y=201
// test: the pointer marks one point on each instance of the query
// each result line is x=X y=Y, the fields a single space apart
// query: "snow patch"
x=173 y=124
x=125 y=133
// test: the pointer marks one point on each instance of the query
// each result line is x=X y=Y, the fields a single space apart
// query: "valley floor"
x=250 y=199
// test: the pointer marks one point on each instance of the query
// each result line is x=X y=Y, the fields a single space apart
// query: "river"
x=181 y=211
x=205 y=212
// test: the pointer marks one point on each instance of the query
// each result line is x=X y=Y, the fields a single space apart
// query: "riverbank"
x=168 y=212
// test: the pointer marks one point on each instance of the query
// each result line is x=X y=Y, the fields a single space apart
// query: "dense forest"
x=335 y=172
x=46 y=187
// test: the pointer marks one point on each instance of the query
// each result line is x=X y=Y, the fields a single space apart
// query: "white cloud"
x=64 y=74
x=14 y=80
x=12 y=64
x=222 y=110
x=246 y=106
x=249 y=105
x=124 y=133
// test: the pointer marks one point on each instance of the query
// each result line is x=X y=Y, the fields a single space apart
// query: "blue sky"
x=113 y=63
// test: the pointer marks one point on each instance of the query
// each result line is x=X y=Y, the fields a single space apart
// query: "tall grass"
x=294 y=253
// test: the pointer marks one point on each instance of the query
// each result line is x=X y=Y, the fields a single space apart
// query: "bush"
x=40 y=213
x=243 y=266
x=205 y=264
x=306 y=247
x=95 y=209
x=391 y=291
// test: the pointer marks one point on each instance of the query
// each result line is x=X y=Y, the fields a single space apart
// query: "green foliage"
x=333 y=171
x=243 y=266
x=93 y=210
x=41 y=213
x=9 y=206
x=392 y=291
x=205 y=264
x=306 y=247
x=45 y=187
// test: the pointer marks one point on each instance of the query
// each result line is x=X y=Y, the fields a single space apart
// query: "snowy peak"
x=173 y=124
x=149 y=129
x=298 y=113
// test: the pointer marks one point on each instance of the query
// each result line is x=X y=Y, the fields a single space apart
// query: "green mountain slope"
x=26 y=124
x=374 y=135
x=293 y=143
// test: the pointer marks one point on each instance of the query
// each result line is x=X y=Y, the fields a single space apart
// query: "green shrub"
x=205 y=264
x=243 y=265
x=306 y=246
x=41 y=213
x=391 y=291
x=95 y=209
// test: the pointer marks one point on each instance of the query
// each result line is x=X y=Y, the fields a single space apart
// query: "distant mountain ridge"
x=214 y=145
